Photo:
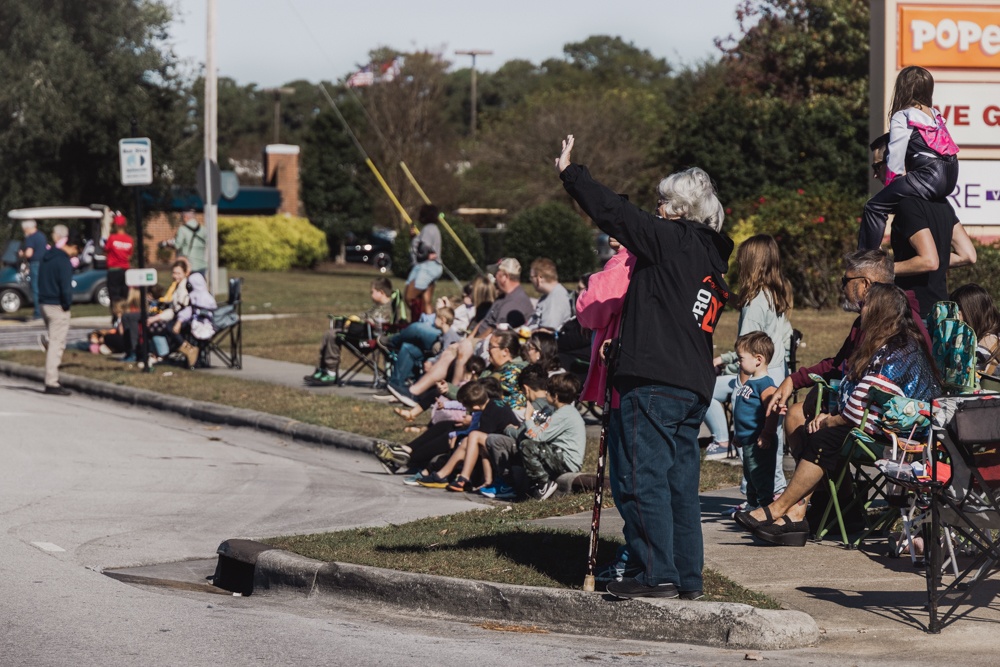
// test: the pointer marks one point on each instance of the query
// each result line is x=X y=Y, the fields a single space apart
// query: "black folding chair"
x=964 y=498
x=360 y=338
x=227 y=321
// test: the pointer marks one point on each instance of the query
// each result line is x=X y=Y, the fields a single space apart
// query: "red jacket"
x=119 y=247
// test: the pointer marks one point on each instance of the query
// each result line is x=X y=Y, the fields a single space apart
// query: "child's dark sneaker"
x=433 y=481
x=544 y=491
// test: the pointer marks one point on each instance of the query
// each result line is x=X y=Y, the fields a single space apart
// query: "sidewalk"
x=854 y=595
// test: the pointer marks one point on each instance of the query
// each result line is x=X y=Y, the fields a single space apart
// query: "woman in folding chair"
x=893 y=356
x=976 y=307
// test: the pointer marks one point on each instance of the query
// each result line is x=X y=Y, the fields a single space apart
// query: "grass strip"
x=496 y=544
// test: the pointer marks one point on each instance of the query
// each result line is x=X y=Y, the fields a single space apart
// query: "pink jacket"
x=599 y=308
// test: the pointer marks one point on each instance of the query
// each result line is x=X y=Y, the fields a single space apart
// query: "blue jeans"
x=33 y=269
x=411 y=344
x=655 y=466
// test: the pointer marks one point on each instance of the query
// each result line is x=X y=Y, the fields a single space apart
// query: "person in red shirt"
x=118 y=248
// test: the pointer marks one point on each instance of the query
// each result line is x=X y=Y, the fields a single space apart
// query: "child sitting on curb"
x=494 y=418
x=754 y=431
x=501 y=449
x=557 y=446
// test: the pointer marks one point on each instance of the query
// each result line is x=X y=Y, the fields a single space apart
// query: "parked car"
x=374 y=247
x=87 y=225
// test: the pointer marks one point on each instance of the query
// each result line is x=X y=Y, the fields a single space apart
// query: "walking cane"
x=595 y=522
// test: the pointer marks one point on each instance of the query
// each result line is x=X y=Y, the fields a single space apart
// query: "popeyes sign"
x=954 y=37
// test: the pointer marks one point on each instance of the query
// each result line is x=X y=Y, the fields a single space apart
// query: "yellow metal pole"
x=388 y=191
x=444 y=222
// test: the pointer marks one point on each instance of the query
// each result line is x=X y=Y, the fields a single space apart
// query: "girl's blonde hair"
x=483 y=291
x=759 y=264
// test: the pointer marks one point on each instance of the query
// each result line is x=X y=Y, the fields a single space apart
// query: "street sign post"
x=135 y=155
x=140 y=277
x=136 y=158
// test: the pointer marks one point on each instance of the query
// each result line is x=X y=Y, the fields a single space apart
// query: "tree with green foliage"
x=337 y=186
x=75 y=73
x=787 y=104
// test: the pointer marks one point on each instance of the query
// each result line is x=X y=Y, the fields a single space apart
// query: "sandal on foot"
x=751 y=524
x=788 y=534
x=459 y=485
x=405 y=414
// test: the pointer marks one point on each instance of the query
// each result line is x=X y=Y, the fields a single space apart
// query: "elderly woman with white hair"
x=662 y=369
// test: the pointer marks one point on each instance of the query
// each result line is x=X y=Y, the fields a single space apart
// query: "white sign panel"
x=972 y=111
x=136 y=157
x=976 y=199
x=140 y=277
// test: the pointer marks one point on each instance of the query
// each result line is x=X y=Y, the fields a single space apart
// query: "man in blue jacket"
x=55 y=294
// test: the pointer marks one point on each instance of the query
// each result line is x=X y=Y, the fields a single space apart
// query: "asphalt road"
x=88 y=486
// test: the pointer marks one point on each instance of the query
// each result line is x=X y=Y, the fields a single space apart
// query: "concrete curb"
x=202 y=411
x=728 y=625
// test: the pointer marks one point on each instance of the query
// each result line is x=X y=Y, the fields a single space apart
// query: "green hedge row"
x=275 y=243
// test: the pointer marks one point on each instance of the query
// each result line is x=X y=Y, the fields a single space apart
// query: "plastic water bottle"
x=833 y=398
x=901 y=471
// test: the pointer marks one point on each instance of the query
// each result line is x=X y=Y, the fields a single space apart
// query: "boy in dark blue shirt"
x=754 y=431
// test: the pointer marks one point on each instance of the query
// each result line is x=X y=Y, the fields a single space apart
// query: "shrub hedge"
x=985 y=272
x=555 y=231
x=276 y=243
x=814 y=229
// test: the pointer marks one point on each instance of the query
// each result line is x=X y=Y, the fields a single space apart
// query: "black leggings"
x=932 y=181
x=431 y=443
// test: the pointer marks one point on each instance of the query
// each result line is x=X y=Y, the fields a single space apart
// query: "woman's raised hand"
x=564 y=158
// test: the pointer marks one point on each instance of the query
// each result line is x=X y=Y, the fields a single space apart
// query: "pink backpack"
x=937 y=137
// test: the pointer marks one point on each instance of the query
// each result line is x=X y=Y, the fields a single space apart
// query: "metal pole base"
x=588 y=583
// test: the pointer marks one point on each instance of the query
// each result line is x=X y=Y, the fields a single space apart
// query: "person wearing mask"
x=190 y=242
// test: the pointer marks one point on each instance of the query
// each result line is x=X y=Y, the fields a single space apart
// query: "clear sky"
x=271 y=42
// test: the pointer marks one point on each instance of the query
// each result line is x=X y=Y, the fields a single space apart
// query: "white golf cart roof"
x=55 y=212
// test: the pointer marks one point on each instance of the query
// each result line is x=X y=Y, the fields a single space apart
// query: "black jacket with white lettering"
x=676 y=293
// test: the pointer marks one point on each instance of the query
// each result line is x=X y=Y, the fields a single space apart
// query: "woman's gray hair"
x=691 y=195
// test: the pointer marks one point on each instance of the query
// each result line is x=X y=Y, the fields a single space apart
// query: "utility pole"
x=278 y=92
x=473 y=53
x=210 y=209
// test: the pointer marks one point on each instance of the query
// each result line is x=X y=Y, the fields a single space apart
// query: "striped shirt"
x=903 y=371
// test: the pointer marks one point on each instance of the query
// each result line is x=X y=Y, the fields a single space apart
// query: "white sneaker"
x=716 y=452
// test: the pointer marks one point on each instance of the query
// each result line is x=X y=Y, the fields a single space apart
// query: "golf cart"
x=87 y=227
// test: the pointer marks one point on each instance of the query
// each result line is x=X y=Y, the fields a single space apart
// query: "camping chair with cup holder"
x=219 y=331
x=964 y=502
x=902 y=423
x=361 y=339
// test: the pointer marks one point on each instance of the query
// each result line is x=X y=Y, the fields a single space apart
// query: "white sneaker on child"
x=716 y=452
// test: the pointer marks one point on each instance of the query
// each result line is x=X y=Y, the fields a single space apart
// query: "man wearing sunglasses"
x=863 y=268
x=926 y=240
